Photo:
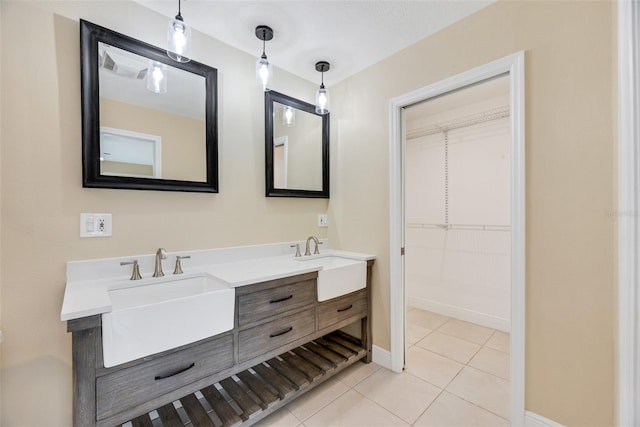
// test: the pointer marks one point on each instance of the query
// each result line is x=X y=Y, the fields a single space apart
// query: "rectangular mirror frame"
x=271 y=97
x=90 y=35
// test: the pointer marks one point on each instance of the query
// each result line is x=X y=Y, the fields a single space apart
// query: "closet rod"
x=471 y=227
x=461 y=122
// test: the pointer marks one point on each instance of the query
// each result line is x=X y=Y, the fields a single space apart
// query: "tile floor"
x=457 y=375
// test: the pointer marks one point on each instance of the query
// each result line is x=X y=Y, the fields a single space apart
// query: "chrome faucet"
x=307 y=252
x=161 y=254
x=135 y=274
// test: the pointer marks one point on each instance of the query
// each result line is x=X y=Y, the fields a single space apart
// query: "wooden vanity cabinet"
x=284 y=343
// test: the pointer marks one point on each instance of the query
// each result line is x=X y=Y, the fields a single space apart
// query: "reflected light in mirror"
x=288 y=117
x=157 y=77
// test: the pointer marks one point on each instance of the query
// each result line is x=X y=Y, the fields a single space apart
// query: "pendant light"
x=322 y=94
x=157 y=77
x=264 y=70
x=179 y=39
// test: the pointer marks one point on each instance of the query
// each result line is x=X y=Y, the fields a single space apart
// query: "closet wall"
x=458 y=207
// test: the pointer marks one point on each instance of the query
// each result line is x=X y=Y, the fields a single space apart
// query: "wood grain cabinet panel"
x=261 y=339
x=342 y=308
x=131 y=386
x=270 y=302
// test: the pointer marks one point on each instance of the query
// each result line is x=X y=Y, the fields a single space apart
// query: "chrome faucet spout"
x=307 y=251
x=161 y=254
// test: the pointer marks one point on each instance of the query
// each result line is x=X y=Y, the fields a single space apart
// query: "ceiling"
x=351 y=35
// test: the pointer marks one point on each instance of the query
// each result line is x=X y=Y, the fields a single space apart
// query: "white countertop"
x=89 y=282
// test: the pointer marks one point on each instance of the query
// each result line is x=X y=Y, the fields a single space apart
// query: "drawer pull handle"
x=286 y=331
x=345 y=309
x=162 y=377
x=273 y=301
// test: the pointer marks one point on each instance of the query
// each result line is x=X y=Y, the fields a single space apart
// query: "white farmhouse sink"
x=163 y=313
x=339 y=275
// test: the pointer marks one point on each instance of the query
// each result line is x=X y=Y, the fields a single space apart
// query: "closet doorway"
x=457 y=249
x=457 y=237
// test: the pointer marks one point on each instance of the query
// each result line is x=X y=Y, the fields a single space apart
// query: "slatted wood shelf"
x=247 y=397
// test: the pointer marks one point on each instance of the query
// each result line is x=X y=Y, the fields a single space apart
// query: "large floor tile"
x=426 y=319
x=451 y=411
x=354 y=410
x=466 y=331
x=492 y=361
x=431 y=367
x=500 y=341
x=281 y=418
x=416 y=332
x=316 y=399
x=356 y=373
x=483 y=389
x=449 y=346
x=404 y=395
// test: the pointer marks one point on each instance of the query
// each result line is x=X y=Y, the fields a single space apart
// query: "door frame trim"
x=628 y=384
x=514 y=66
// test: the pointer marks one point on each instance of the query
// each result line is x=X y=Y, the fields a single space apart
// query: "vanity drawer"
x=266 y=337
x=137 y=384
x=269 y=302
x=341 y=308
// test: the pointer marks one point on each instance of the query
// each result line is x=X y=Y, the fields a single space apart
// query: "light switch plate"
x=95 y=225
x=323 y=220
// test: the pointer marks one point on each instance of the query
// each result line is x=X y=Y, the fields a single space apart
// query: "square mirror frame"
x=90 y=35
x=271 y=97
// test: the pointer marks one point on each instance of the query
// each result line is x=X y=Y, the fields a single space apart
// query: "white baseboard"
x=531 y=419
x=460 y=313
x=381 y=357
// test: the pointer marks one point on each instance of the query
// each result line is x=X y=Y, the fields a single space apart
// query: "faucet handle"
x=317 y=251
x=135 y=274
x=297 y=246
x=178 y=269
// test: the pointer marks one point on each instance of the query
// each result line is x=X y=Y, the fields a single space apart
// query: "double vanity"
x=239 y=334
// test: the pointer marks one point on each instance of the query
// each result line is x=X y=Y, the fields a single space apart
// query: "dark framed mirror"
x=296 y=148
x=148 y=123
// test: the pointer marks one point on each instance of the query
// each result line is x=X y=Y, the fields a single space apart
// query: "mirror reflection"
x=297 y=151
x=297 y=148
x=152 y=118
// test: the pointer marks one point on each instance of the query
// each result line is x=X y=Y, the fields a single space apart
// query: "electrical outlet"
x=323 y=220
x=95 y=225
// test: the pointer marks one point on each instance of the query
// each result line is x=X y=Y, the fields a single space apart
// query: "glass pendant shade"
x=179 y=40
x=322 y=100
x=288 y=117
x=157 y=77
x=264 y=70
x=264 y=73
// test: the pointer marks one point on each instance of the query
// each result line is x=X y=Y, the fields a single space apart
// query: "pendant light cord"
x=264 y=42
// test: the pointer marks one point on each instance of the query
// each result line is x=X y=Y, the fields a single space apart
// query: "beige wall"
x=569 y=172
x=570 y=143
x=42 y=194
x=183 y=138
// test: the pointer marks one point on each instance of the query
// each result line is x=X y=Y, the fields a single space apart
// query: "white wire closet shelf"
x=471 y=227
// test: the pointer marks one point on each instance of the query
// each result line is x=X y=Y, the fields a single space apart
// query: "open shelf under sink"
x=251 y=395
